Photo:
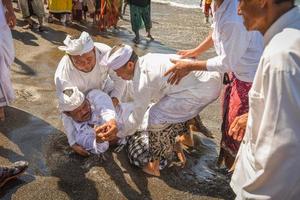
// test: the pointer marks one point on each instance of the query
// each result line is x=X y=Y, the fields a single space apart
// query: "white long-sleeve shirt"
x=67 y=75
x=173 y=103
x=268 y=161
x=237 y=49
x=102 y=111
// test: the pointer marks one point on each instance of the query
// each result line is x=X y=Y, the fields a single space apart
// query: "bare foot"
x=2 y=114
x=187 y=139
x=152 y=168
x=180 y=154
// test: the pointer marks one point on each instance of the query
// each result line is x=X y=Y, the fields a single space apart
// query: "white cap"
x=78 y=46
x=70 y=99
x=119 y=58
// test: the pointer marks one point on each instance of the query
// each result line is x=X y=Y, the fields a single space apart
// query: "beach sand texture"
x=33 y=130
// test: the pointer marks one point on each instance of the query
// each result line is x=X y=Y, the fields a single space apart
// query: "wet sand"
x=33 y=130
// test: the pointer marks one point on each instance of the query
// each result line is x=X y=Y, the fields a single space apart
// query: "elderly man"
x=81 y=114
x=83 y=67
x=174 y=105
x=268 y=162
x=7 y=21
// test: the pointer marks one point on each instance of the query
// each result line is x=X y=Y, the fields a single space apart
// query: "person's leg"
x=146 y=16
x=136 y=22
x=2 y=114
x=11 y=172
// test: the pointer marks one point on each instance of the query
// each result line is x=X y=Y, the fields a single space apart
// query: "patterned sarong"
x=235 y=103
x=140 y=16
x=156 y=143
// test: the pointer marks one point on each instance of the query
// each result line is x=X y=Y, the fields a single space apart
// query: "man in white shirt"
x=82 y=114
x=173 y=105
x=83 y=67
x=238 y=53
x=268 y=162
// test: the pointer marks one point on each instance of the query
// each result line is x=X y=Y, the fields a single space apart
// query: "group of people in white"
x=112 y=96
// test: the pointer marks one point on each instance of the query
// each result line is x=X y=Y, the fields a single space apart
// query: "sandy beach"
x=33 y=130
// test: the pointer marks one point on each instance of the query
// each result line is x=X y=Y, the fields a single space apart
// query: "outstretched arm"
x=201 y=48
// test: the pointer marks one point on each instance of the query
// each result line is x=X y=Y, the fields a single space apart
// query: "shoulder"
x=282 y=53
x=103 y=48
x=95 y=93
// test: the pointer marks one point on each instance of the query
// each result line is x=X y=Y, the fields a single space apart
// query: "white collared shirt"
x=150 y=86
x=102 y=111
x=237 y=49
x=268 y=161
x=67 y=75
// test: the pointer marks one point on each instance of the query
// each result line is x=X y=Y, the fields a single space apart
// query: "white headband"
x=78 y=46
x=119 y=58
x=70 y=99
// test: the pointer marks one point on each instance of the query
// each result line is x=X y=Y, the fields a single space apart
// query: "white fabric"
x=2 y=16
x=69 y=102
x=67 y=75
x=81 y=133
x=173 y=103
x=7 y=55
x=268 y=161
x=119 y=58
x=79 y=46
x=237 y=49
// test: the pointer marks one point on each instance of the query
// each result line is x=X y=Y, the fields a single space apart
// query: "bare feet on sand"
x=180 y=154
x=152 y=168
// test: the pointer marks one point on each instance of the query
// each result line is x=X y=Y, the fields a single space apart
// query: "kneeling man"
x=173 y=104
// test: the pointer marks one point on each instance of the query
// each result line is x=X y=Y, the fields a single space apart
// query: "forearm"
x=206 y=44
x=199 y=65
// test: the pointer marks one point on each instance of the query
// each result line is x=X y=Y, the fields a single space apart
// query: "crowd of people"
x=111 y=96
x=103 y=13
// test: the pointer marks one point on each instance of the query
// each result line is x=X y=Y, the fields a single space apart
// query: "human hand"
x=107 y=131
x=10 y=18
x=178 y=71
x=191 y=53
x=238 y=127
x=80 y=150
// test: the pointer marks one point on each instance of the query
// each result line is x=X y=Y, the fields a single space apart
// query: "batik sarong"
x=156 y=143
x=235 y=102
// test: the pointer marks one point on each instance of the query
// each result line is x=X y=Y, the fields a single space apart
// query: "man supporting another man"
x=173 y=105
x=83 y=67
x=268 y=162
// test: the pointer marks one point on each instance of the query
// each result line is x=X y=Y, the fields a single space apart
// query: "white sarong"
x=7 y=55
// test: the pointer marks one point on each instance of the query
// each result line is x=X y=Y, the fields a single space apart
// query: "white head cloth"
x=119 y=58
x=70 y=99
x=78 y=46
